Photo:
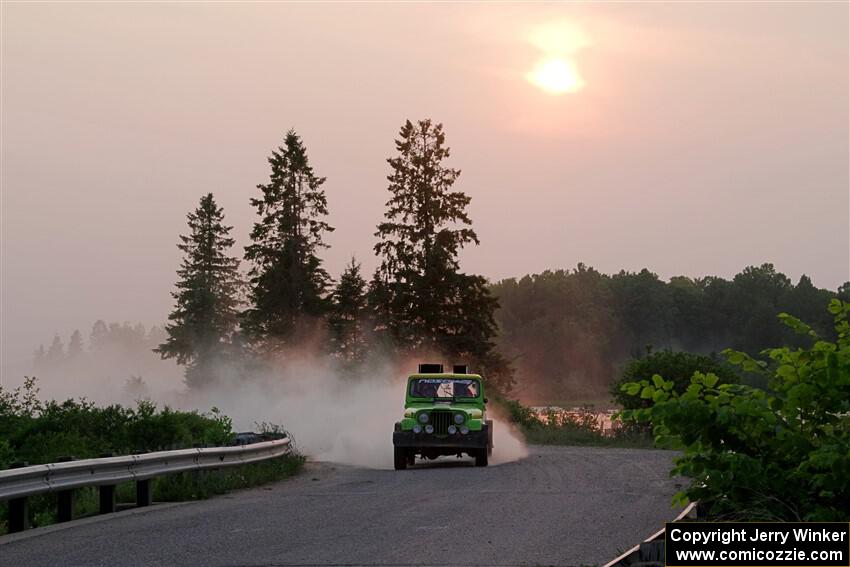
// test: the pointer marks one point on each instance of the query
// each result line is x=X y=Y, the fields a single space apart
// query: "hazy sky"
x=694 y=138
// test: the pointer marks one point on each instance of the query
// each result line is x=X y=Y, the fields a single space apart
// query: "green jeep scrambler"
x=443 y=415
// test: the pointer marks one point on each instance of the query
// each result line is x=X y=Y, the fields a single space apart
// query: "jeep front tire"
x=400 y=458
x=481 y=458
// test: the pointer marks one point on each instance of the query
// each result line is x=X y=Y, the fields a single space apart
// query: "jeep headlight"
x=423 y=417
x=459 y=418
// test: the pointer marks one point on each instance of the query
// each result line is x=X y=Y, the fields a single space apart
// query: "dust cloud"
x=508 y=443
x=330 y=415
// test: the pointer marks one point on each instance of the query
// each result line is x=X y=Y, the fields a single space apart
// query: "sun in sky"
x=556 y=75
x=556 y=72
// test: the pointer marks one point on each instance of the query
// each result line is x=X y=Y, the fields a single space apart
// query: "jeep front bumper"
x=472 y=440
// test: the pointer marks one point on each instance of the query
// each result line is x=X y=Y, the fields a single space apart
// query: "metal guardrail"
x=63 y=478
x=651 y=550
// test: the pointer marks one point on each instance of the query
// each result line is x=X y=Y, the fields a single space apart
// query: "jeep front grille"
x=441 y=421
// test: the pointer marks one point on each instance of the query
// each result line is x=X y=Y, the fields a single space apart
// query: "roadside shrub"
x=41 y=432
x=522 y=416
x=678 y=367
x=6 y=455
x=778 y=454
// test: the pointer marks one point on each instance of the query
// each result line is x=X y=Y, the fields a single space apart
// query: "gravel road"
x=559 y=506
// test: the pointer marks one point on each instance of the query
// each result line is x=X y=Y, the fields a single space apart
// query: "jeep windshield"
x=444 y=388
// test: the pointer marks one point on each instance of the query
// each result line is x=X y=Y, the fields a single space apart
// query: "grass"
x=180 y=487
x=577 y=435
x=600 y=404
x=573 y=427
x=197 y=486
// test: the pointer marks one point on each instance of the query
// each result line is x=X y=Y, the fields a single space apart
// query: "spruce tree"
x=56 y=352
x=205 y=316
x=425 y=301
x=287 y=280
x=99 y=336
x=348 y=338
x=75 y=345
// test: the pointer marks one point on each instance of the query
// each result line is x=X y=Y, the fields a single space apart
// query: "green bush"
x=675 y=366
x=41 y=432
x=777 y=454
x=522 y=416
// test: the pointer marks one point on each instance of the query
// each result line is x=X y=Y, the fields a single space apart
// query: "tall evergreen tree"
x=287 y=280
x=346 y=318
x=205 y=316
x=428 y=303
x=56 y=352
x=75 y=345
x=99 y=336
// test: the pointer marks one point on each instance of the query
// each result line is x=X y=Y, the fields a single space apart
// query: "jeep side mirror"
x=486 y=400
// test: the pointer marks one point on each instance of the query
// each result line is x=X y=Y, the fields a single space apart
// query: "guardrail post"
x=144 y=494
x=107 y=498
x=65 y=499
x=652 y=553
x=65 y=505
x=19 y=511
x=19 y=515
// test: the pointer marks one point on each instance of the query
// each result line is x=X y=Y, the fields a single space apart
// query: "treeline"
x=571 y=331
x=226 y=323
x=117 y=355
x=105 y=340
